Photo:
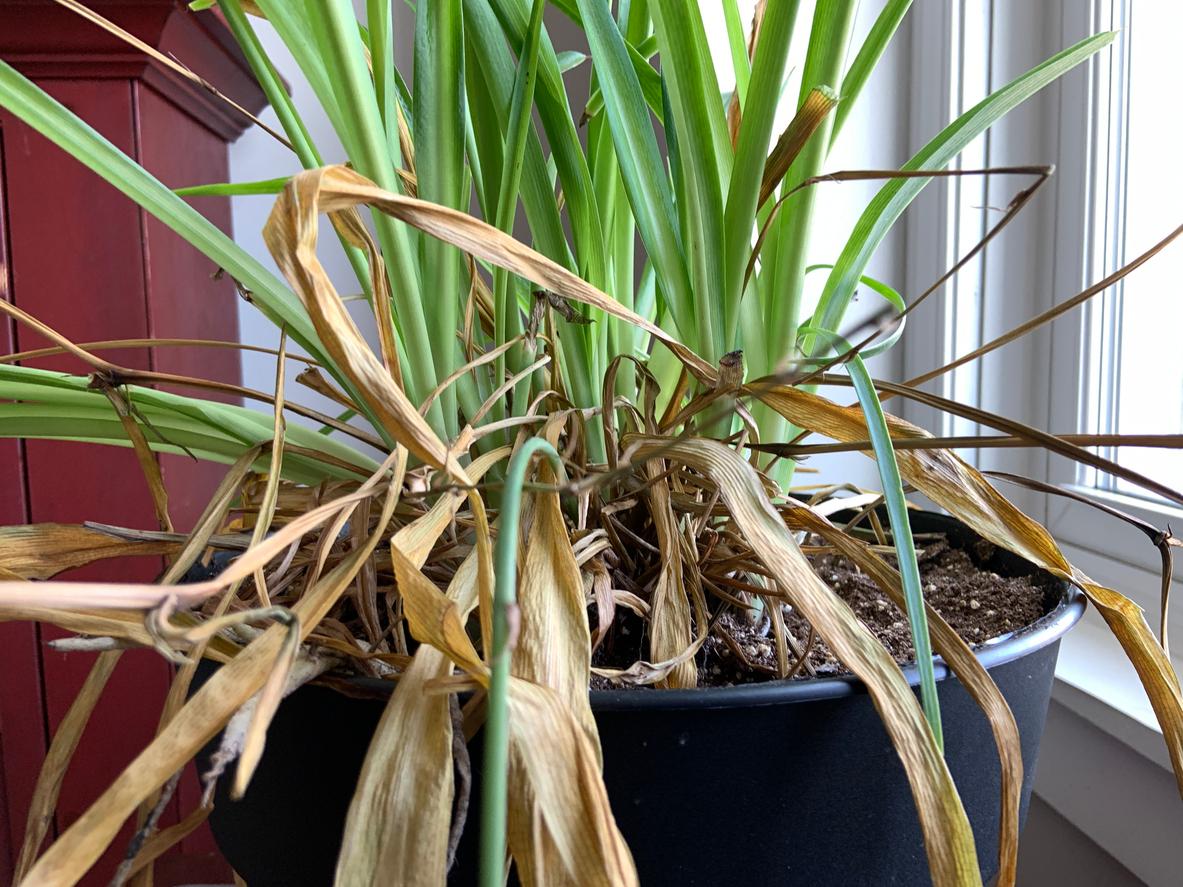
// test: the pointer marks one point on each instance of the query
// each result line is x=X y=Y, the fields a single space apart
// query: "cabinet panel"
x=78 y=255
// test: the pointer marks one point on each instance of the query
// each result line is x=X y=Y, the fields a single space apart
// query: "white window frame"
x=1089 y=253
x=1052 y=251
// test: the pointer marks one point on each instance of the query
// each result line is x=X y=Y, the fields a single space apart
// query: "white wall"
x=873 y=137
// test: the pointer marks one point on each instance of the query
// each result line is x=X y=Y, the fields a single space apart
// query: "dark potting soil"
x=978 y=603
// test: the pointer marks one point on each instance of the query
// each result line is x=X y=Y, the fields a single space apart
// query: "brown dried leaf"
x=553 y=752
x=291 y=236
x=961 y=660
x=312 y=378
x=805 y=122
x=416 y=539
x=144 y=455
x=41 y=551
x=400 y=816
x=671 y=633
x=165 y=839
x=433 y=617
x=948 y=838
x=553 y=650
x=966 y=494
x=550 y=747
x=77 y=849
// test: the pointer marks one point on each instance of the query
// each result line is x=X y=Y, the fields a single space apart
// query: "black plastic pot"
x=776 y=783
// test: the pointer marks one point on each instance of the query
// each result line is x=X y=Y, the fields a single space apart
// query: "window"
x=1118 y=365
x=1111 y=128
x=1133 y=372
x=1115 y=365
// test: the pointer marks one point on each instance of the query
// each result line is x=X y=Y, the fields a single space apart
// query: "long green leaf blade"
x=705 y=156
x=555 y=113
x=751 y=149
x=285 y=110
x=901 y=528
x=737 y=44
x=868 y=56
x=439 y=144
x=894 y=197
x=833 y=21
x=506 y=316
x=641 y=165
x=234 y=189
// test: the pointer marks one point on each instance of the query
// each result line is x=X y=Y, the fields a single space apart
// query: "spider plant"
x=658 y=381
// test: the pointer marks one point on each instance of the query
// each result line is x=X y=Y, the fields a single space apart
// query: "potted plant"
x=566 y=464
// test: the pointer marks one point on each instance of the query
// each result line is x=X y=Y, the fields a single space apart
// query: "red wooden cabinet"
x=81 y=257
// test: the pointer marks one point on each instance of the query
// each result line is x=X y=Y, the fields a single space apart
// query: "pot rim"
x=1046 y=630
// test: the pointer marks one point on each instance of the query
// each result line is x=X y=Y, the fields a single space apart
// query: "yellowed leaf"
x=291 y=236
x=948 y=838
x=338 y=188
x=964 y=492
x=969 y=670
x=671 y=633
x=553 y=650
x=76 y=850
x=399 y=820
x=41 y=551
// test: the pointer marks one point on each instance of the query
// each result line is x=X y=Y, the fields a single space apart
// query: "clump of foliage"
x=660 y=383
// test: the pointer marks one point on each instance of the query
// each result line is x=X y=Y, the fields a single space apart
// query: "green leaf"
x=890 y=295
x=751 y=149
x=50 y=404
x=47 y=116
x=893 y=198
x=506 y=314
x=868 y=57
x=292 y=22
x=563 y=139
x=343 y=416
x=901 y=527
x=496 y=733
x=569 y=60
x=492 y=76
x=285 y=111
x=351 y=95
x=80 y=425
x=641 y=165
x=233 y=189
x=439 y=153
x=380 y=40
x=738 y=44
x=639 y=51
x=270 y=82
x=833 y=21
x=649 y=79
x=705 y=155
x=521 y=106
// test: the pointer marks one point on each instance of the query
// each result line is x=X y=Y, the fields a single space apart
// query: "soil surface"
x=977 y=602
